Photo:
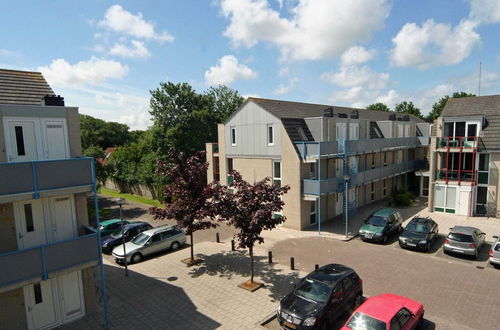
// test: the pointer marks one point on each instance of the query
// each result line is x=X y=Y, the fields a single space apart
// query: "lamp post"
x=120 y=202
x=346 y=196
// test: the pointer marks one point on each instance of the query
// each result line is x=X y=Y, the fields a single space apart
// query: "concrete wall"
x=75 y=142
x=253 y=169
x=91 y=291
x=222 y=153
x=8 y=235
x=13 y=312
x=210 y=160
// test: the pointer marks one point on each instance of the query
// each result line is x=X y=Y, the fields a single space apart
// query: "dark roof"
x=330 y=273
x=286 y=109
x=488 y=106
x=23 y=87
x=297 y=129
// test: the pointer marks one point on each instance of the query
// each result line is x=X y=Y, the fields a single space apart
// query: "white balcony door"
x=40 y=305
x=71 y=297
x=62 y=216
x=21 y=140
x=463 y=202
x=341 y=131
x=30 y=223
x=55 y=139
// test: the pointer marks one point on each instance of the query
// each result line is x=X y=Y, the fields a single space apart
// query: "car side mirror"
x=495 y=236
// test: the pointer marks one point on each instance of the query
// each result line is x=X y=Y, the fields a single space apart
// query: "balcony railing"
x=38 y=176
x=37 y=263
x=456 y=175
x=325 y=186
x=464 y=142
x=354 y=147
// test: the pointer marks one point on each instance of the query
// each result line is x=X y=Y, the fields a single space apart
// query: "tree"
x=378 y=107
x=100 y=169
x=191 y=204
x=224 y=101
x=409 y=108
x=97 y=132
x=438 y=107
x=251 y=209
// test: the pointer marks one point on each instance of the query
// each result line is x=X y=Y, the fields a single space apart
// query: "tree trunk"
x=192 y=248
x=251 y=263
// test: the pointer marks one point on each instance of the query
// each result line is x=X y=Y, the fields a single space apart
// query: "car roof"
x=385 y=212
x=385 y=306
x=159 y=229
x=463 y=230
x=420 y=220
x=331 y=273
x=135 y=224
x=107 y=222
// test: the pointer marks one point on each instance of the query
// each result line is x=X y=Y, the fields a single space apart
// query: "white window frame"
x=233 y=135
x=270 y=137
x=353 y=131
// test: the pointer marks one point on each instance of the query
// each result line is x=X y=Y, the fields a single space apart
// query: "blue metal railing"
x=34 y=177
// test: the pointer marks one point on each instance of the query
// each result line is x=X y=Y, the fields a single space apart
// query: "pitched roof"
x=23 y=87
x=286 y=109
x=488 y=106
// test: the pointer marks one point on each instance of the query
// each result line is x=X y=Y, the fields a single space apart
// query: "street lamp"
x=346 y=196
x=120 y=202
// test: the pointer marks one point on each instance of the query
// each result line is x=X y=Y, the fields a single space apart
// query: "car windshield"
x=313 y=290
x=117 y=233
x=459 y=237
x=417 y=228
x=140 y=239
x=376 y=221
x=362 y=321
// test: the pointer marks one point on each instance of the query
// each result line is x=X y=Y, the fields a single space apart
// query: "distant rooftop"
x=23 y=87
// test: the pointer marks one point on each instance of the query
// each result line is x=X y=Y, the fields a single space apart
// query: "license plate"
x=369 y=236
x=411 y=244
x=459 y=251
x=290 y=325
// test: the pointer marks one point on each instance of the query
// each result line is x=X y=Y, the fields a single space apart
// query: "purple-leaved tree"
x=187 y=197
x=251 y=208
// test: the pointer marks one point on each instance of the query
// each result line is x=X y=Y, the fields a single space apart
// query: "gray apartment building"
x=333 y=158
x=49 y=256
x=465 y=156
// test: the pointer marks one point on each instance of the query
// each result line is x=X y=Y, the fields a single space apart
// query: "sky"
x=105 y=56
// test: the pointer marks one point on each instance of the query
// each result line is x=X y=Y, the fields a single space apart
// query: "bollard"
x=232 y=245
x=270 y=256
x=217 y=238
x=292 y=263
x=316 y=267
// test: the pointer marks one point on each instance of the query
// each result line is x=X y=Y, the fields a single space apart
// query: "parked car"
x=494 y=256
x=109 y=226
x=380 y=225
x=320 y=297
x=464 y=240
x=419 y=233
x=149 y=242
x=387 y=311
x=130 y=230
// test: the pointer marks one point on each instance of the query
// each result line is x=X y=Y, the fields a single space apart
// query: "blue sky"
x=105 y=56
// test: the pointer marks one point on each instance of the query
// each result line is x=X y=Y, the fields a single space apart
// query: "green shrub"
x=403 y=198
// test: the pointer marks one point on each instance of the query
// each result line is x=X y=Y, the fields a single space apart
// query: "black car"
x=131 y=230
x=321 y=297
x=419 y=234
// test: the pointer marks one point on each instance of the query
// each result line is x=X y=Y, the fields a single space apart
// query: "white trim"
x=272 y=135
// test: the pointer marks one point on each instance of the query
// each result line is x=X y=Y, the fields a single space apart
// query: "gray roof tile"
x=23 y=87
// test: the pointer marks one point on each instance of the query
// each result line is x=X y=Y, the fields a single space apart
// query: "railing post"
x=45 y=276
x=36 y=195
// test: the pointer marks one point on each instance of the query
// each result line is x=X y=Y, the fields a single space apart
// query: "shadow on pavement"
x=227 y=264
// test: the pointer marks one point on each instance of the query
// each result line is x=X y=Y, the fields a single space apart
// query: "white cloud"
x=120 y=20
x=351 y=76
x=426 y=98
x=94 y=71
x=391 y=98
x=285 y=88
x=136 y=50
x=318 y=29
x=6 y=52
x=357 y=55
x=228 y=70
x=485 y=11
x=433 y=44
x=284 y=71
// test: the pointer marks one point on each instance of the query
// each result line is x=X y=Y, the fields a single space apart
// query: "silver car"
x=495 y=252
x=149 y=242
x=464 y=240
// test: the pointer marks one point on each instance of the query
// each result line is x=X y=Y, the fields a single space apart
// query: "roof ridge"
x=20 y=71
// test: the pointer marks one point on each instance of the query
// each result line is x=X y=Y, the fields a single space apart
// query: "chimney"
x=392 y=116
x=355 y=114
x=328 y=112
x=54 y=100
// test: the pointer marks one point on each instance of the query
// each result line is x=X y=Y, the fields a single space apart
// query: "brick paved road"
x=455 y=293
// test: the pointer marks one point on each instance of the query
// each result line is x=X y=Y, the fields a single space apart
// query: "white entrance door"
x=71 y=296
x=40 y=305
x=21 y=145
x=463 y=202
x=62 y=217
x=54 y=138
x=30 y=224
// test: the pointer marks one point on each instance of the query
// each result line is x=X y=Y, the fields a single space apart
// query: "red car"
x=387 y=312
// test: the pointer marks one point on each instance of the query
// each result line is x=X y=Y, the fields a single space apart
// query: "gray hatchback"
x=149 y=242
x=494 y=255
x=464 y=240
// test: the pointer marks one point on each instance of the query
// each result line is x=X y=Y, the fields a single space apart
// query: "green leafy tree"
x=224 y=101
x=438 y=107
x=408 y=108
x=378 y=107
x=97 y=132
x=100 y=169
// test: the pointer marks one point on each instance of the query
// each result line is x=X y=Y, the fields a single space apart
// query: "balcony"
x=33 y=178
x=40 y=262
x=313 y=150
x=319 y=187
x=465 y=143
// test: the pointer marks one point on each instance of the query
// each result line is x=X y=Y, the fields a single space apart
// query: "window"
x=233 y=136
x=312 y=213
x=373 y=161
x=400 y=130
x=270 y=135
x=482 y=175
x=20 y=141
x=404 y=316
x=353 y=131
x=444 y=199
x=229 y=170
x=28 y=216
x=37 y=290
x=347 y=283
x=156 y=238
x=277 y=172
x=312 y=171
x=385 y=158
x=372 y=191
x=425 y=186
x=385 y=187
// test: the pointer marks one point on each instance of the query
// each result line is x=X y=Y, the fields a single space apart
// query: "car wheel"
x=175 y=246
x=136 y=258
x=428 y=247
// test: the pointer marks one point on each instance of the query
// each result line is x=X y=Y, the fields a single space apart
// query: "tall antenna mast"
x=479 y=89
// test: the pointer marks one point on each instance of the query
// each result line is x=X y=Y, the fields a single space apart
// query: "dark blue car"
x=131 y=230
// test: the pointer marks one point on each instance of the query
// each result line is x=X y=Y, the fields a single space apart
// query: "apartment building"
x=465 y=156
x=49 y=255
x=333 y=158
